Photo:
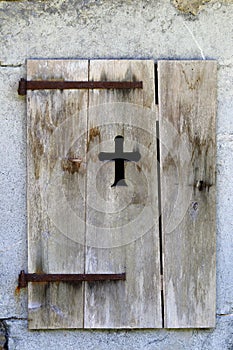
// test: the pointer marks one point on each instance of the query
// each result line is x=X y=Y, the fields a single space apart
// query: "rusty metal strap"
x=24 y=278
x=25 y=85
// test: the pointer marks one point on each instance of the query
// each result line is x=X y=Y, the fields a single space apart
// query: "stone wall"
x=152 y=29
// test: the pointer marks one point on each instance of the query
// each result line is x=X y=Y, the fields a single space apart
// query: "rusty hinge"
x=25 y=85
x=24 y=278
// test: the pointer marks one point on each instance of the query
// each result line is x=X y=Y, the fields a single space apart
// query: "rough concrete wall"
x=117 y=29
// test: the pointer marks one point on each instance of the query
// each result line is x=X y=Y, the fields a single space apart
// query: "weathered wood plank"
x=122 y=232
x=56 y=130
x=187 y=108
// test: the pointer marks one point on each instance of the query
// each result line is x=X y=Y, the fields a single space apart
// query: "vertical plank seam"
x=160 y=221
x=27 y=170
x=85 y=195
x=156 y=84
x=27 y=191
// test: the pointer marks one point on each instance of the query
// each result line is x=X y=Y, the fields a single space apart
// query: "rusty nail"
x=22 y=281
x=22 y=89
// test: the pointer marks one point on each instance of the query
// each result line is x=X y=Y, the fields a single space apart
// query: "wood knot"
x=72 y=165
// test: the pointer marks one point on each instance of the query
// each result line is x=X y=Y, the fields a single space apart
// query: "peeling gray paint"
x=195 y=6
x=187 y=6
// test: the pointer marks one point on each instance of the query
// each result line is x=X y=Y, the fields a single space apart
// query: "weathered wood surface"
x=78 y=223
x=76 y=226
x=122 y=222
x=187 y=108
x=56 y=131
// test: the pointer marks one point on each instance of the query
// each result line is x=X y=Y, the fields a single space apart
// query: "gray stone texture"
x=108 y=29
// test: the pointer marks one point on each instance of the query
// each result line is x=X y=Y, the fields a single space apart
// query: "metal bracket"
x=24 y=278
x=25 y=85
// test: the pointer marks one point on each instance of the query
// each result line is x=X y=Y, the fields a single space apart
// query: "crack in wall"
x=5 y=65
x=13 y=318
x=195 y=40
x=4 y=331
x=229 y=314
x=4 y=335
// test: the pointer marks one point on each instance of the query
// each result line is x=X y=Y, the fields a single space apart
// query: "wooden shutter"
x=79 y=224
x=55 y=190
x=187 y=104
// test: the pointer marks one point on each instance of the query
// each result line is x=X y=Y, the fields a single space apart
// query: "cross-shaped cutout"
x=119 y=158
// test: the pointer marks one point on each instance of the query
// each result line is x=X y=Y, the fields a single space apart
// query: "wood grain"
x=122 y=232
x=56 y=130
x=78 y=223
x=187 y=110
